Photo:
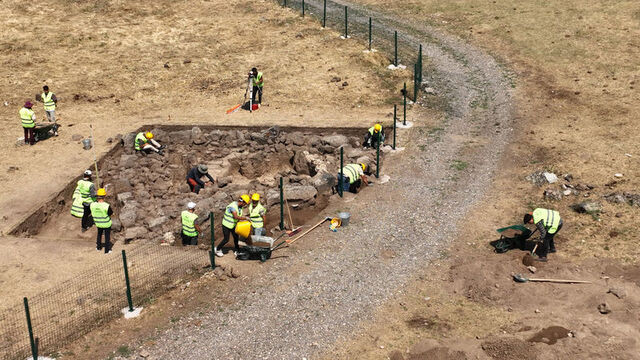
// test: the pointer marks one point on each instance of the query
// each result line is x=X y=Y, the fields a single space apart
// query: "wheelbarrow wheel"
x=263 y=257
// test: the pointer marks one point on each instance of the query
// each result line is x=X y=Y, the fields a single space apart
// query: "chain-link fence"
x=78 y=305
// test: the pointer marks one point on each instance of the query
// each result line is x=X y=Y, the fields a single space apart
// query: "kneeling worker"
x=257 y=215
x=190 y=230
x=144 y=143
x=354 y=176
x=194 y=178
x=373 y=134
x=101 y=212
x=548 y=223
x=232 y=214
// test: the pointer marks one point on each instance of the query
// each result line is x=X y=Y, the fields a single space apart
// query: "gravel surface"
x=330 y=282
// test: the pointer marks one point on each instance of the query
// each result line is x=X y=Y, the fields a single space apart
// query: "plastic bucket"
x=86 y=144
x=243 y=228
x=344 y=218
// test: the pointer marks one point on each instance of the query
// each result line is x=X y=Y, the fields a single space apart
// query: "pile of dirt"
x=550 y=335
x=509 y=349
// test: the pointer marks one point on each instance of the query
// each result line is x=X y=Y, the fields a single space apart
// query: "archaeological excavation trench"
x=149 y=192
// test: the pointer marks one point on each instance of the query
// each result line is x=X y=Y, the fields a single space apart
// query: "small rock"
x=550 y=177
x=568 y=177
x=604 y=308
x=532 y=269
x=618 y=175
x=135 y=232
x=169 y=238
x=109 y=140
x=553 y=195
x=336 y=79
x=76 y=137
x=620 y=293
x=566 y=192
x=619 y=215
x=537 y=311
x=157 y=221
x=224 y=181
x=144 y=354
x=588 y=207
x=430 y=91
x=166 y=65
x=345 y=84
x=186 y=61
x=12 y=168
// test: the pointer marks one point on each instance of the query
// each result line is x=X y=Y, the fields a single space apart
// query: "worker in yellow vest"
x=257 y=84
x=28 y=118
x=50 y=101
x=190 y=230
x=232 y=214
x=84 y=195
x=145 y=143
x=101 y=213
x=548 y=223
x=353 y=178
x=373 y=135
x=257 y=214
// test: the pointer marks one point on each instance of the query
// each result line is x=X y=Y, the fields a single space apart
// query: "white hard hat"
x=191 y=205
x=87 y=172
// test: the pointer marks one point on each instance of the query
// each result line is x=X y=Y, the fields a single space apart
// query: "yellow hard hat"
x=364 y=167
x=101 y=192
x=245 y=198
x=255 y=197
x=377 y=127
x=148 y=135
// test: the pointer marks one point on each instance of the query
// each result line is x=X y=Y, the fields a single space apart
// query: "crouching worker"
x=232 y=214
x=144 y=143
x=548 y=223
x=101 y=212
x=353 y=178
x=374 y=134
x=190 y=230
x=194 y=178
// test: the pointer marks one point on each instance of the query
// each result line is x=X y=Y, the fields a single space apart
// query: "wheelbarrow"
x=511 y=237
x=45 y=130
x=261 y=253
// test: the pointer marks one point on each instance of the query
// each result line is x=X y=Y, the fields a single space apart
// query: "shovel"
x=521 y=279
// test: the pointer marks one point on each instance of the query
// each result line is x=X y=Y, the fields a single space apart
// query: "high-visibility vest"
x=228 y=220
x=84 y=189
x=26 y=115
x=550 y=218
x=77 y=209
x=140 y=141
x=99 y=212
x=257 y=79
x=254 y=215
x=373 y=129
x=352 y=171
x=47 y=99
x=189 y=223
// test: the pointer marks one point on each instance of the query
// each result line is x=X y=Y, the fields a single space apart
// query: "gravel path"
x=301 y=305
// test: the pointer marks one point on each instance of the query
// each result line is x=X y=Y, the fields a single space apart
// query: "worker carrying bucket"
x=230 y=221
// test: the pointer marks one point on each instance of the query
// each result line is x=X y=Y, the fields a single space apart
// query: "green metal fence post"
x=324 y=14
x=415 y=83
x=420 y=67
x=395 y=41
x=284 y=3
x=346 y=23
x=378 y=156
x=395 y=107
x=212 y=255
x=281 y=203
x=340 y=181
x=404 y=104
x=369 y=33
x=32 y=342
x=302 y=8
x=126 y=279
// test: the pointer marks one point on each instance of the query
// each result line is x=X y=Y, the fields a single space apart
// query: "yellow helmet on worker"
x=149 y=135
x=245 y=198
x=377 y=127
x=255 y=197
x=101 y=192
x=364 y=167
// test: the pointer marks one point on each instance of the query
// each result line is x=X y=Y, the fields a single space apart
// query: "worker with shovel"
x=232 y=214
x=373 y=135
x=145 y=144
x=548 y=223
x=257 y=84
x=257 y=214
x=194 y=178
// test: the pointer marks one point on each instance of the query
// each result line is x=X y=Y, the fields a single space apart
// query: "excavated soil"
x=550 y=335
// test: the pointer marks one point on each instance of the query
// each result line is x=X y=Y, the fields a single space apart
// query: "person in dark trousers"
x=194 y=178
x=50 y=101
x=257 y=83
x=101 y=213
x=232 y=214
x=353 y=178
x=373 y=134
x=86 y=191
x=190 y=229
x=548 y=223
x=28 y=118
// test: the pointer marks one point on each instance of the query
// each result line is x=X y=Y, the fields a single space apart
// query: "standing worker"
x=86 y=191
x=190 y=230
x=373 y=134
x=50 y=101
x=258 y=82
x=101 y=212
x=257 y=215
x=28 y=118
x=145 y=144
x=232 y=214
x=548 y=223
x=354 y=176
x=194 y=178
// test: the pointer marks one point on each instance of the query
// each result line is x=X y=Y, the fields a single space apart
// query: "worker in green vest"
x=190 y=230
x=50 y=101
x=28 y=118
x=548 y=223
x=101 y=213
x=354 y=177
x=86 y=192
x=373 y=135
x=232 y=214
x=257 y=84
x=145 y=143
x=257 y=214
